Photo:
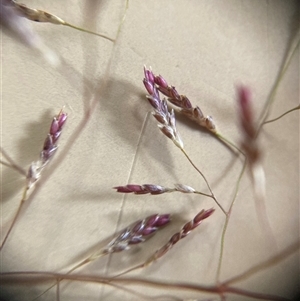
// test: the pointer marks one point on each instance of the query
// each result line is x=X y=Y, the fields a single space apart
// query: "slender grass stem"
x=204 y=194
x=227 y=221
x=282 y=115
x=228 y=142
x=265 y=112
x=89 y=31
x=204 y=178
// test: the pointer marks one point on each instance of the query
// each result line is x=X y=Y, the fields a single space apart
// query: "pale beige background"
x=204 y=48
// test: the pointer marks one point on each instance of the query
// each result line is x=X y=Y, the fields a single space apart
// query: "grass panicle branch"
x=38 y=15
x=286 y=63
x=154 y=83
x=36 y=167
x=185 y=230
x=282 y=115
x=167 y=120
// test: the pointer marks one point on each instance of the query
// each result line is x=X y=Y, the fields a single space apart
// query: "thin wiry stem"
x=204 y=178
x=204 y=194
x=228 y=142
x=89 y=31
x=12 y=163
x=227 y=221
x=277 y=118
x=266 y=110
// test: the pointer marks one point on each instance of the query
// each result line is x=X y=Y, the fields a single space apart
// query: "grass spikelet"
x=38 y=15
x=36 y=167
x=185 y=230
x=153 y=83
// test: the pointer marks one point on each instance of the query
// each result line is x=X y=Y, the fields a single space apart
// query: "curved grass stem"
x=282 y=115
